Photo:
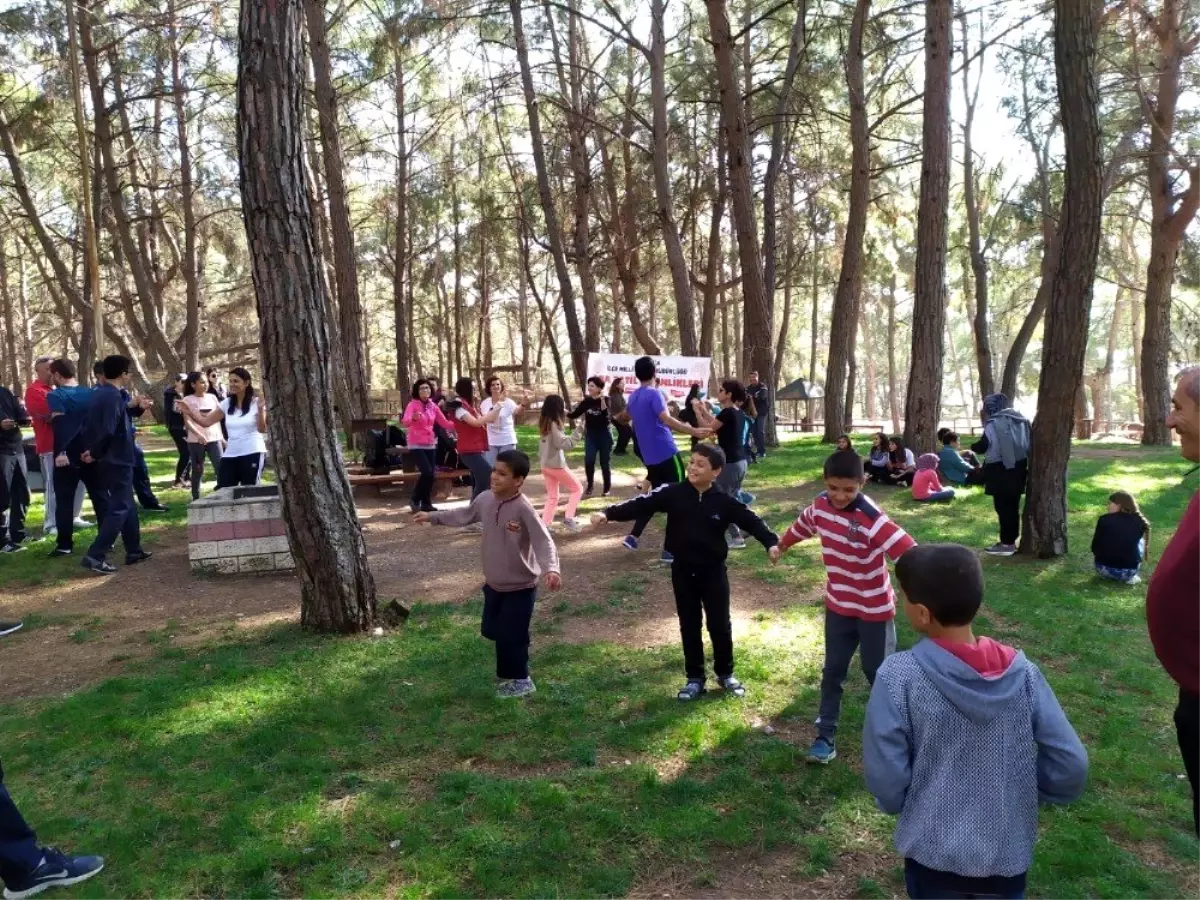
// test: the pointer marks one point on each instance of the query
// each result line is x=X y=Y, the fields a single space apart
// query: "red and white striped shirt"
x=856 y=543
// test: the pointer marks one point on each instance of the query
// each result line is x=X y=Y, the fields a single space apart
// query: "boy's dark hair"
x=844 y=464
x=942 y=432
x=644 y=369
x=63 y=368
x=714 y=454
x=597 y=380
x=115 y=366
x=946 y=579
x=948 y=438
x=736 y=391
x=517 y=462
x=98 y=367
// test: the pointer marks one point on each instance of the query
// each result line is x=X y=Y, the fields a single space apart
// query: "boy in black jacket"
x=697 y=517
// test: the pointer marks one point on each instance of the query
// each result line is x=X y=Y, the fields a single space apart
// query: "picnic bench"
x=365 y=482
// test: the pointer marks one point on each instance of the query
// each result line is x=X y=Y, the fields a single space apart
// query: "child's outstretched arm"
x=657 y=501
x=889 y=537
x=457 y=518
x=1062 y=761
x=887 y=751
x=802 y=529
x=746 y=519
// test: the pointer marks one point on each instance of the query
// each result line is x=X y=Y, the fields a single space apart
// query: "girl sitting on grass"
x=926 y=486
x=902 y=466
x=1121 y=542
x=876 y=464
x=552 y=455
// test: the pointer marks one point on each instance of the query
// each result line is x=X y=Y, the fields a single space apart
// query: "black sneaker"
x=10 y=547
x=9 y=627
x=691 y=691
x=56 y=870
x=99 y=566
x=60 y=551
x=588 y=492
x=132 y=559
x=429 y=507
x=156 y=509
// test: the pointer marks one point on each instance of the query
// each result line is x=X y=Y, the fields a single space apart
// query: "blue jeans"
x=481 y=471
x=494 y=451
x=120 y=513
x=141 y=480
x=760 y=433
x=598 y=445
x=944 y=496
x=930 y=884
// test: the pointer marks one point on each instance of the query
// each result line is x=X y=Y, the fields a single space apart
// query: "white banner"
x=676 y=374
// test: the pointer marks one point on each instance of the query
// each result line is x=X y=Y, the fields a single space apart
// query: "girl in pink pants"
x=555 y=442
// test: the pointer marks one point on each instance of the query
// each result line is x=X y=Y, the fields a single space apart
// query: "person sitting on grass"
x=844 y=444
x=963 y=738
x=1121 y=542
x=697 y=517
x=953 y=463
x=926 y=487
x=857 y=540
x=902 y=466
x=517 y=551
x=877 y=463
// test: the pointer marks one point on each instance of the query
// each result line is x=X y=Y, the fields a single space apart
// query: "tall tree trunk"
x=1135 y=325
x=685 y=305
x=816 y=303
x=923 y=403
x=893 y=397
x=400 y=306
x=712 y=268
x=870 y=345
x=845 y=301
x=549 y=211
x=345 y=261
x=1170 y=215
x=1045 y=519
x=757 y=313
x=10 y=325
x=983 y=344
x=789 y=264
x=337 y=588
x=192 y=270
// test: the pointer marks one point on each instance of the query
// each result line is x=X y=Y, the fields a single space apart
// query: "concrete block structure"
x=242 y=536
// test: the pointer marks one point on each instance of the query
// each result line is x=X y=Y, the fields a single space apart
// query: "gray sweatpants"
x=875 y=641
x=730 y=482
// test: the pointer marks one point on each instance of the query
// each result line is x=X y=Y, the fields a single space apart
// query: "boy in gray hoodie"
x=963 y=738
x=517 y=550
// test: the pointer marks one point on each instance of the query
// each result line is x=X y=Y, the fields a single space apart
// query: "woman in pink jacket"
x=418 y=420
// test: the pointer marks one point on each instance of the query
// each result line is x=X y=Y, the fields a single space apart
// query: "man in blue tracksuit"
x=141 y=472
x=108 y=444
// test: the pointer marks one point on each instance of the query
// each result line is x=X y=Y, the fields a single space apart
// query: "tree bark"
x=400 y=310
x=337 y=588
x=1045 y=517
x=549 y=211
x=192 y=270
x=923 y=402
x=757 y=350
x=712 y=267
x=1170 y=215
x=893 y=397
x=345 y=260
x=9 y=321
x=845 y=301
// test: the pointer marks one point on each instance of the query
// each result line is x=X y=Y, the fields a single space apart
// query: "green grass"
x=285 y=764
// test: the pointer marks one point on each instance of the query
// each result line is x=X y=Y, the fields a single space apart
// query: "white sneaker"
x=83 y=523
x=737 y=543
x=573 y=525
x=1136 y=579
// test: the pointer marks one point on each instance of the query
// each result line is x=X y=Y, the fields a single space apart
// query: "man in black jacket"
x=697 y=517
x=14 y=486
x=757 y=391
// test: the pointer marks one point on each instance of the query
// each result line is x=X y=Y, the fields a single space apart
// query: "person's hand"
x=644 y=487
x=553 y=581
x=7 y=424
x=145 y=402
x=701 y=433
x=61 y=461
x=773 y=554
x=86 y=457
x=599 y=519
x=421 y=518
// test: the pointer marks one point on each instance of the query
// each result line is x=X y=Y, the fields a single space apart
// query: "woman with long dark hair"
x=552 y=454
x=598 y=440
x=876 y=463
x=687 y=412
x=419 y=419
x=203 y=429
x=177 y=428
x=244 y=415
x=731 y=427
x=620 y=418
x=471 y=428
x=902 y=465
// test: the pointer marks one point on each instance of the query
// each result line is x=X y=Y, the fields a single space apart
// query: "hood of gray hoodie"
x=977 y=697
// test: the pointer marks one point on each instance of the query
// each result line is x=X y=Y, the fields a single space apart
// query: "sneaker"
x=822 y=751
x=1001 y=550
x=10 y=547
x=737 y=543
x=55 y=870
x=588 y=492
x=428 y=507
x=99 y=566
x=59 y=551
x=83 y=523
x=607 y=492
x=518 y=687
x=573 y=525
x=665 y=559
x=9 y=627
x=747 y=498
x=157 y=508
x=630 y=542
x=132 y=559
x=732 y=686
x=33 y=539
x=691 y=691
x=1136 y=579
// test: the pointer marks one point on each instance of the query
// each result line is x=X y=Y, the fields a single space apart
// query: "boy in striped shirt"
x=857 y=540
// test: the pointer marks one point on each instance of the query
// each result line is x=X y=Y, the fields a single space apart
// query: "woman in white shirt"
x=502 y=430
x=245 y=418
x=203 y=436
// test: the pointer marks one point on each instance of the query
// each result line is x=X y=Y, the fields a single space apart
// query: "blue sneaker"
x=747 y=498
x=630 y=542
x=666 y=559
x=55 y=870
x=822 y=751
